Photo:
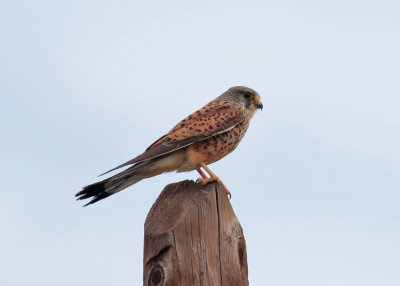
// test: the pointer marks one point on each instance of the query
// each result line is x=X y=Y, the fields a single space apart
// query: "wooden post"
x=192 y=237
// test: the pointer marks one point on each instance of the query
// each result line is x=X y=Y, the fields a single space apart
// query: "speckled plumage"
x=202 y=138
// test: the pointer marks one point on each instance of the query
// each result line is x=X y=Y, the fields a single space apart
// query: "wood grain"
x=192 y=237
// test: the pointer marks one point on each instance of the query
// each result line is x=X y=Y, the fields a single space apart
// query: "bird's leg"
x=203 y=176
x=213 y=178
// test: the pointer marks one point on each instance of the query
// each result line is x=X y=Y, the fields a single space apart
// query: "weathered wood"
x=192 y=237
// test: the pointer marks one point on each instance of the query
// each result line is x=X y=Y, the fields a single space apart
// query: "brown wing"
x=216 y=117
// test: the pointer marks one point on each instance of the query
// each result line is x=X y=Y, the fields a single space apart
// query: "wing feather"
x=214 y=118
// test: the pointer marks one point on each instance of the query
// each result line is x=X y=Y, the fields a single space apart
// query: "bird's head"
x=245 y=96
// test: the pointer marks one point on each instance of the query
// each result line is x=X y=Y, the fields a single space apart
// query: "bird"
x=200 y=139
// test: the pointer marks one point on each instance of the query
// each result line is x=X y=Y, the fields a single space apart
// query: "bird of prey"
x=200 y=139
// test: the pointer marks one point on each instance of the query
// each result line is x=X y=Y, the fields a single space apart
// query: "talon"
x=205 y=181
x=227 y=192
x=213 y=178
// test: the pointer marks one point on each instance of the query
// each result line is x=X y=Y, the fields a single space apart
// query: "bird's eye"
x=247 y=95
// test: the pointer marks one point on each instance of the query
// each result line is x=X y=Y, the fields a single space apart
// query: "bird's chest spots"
x=218 y=146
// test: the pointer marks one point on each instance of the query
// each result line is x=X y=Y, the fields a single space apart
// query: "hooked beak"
x=259 y=105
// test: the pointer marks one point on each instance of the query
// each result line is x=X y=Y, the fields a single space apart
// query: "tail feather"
x=108 y=187
x=130 y=176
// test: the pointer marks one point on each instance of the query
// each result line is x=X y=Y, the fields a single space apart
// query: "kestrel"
x=200 y=139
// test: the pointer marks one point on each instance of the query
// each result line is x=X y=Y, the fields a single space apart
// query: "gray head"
x=244 y=96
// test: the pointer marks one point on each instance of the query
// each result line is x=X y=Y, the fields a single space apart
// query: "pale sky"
x=87 y=85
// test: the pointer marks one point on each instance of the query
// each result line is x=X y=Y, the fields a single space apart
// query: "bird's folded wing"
x=194 y=128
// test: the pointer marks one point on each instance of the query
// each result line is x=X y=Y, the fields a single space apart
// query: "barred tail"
x=130 y=176
x=107 y=187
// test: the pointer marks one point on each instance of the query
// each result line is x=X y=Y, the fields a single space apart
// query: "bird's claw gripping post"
x=213 y=178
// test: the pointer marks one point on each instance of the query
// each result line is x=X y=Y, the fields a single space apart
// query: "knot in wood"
x=156 y=276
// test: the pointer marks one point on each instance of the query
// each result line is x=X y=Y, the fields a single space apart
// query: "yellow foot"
x=205 y=181
x=227 y=192
x=213 y=178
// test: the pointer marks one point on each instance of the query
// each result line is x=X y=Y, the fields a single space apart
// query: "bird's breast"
x=213 y=148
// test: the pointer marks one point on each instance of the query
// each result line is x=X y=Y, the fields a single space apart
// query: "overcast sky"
x=87 y=85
